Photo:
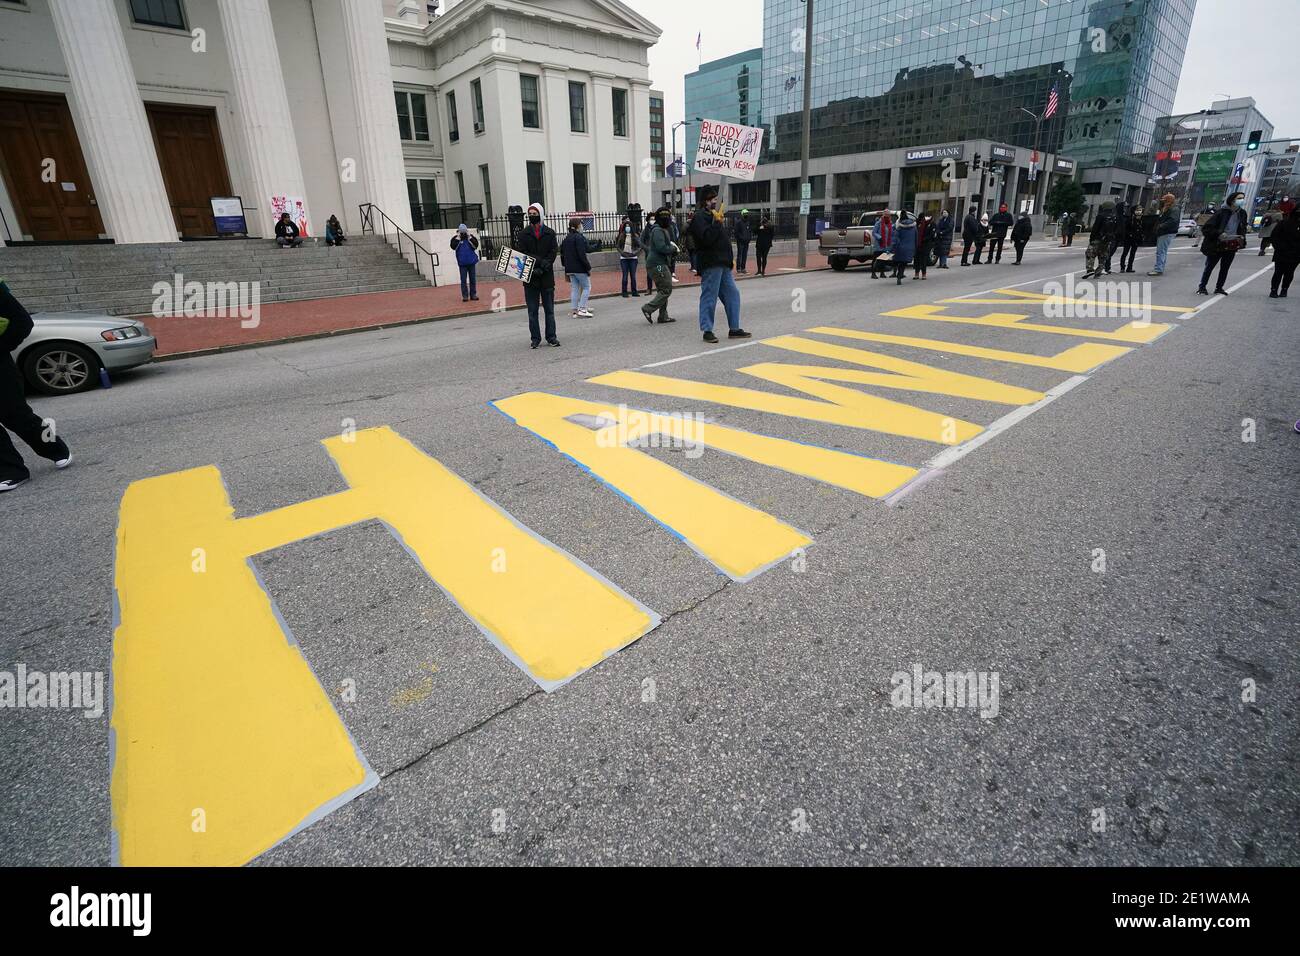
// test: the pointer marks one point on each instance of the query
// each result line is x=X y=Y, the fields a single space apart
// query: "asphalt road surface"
x=1106 y=536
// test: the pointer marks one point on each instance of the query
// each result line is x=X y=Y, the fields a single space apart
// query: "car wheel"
x=839 y=263
x=60 y=368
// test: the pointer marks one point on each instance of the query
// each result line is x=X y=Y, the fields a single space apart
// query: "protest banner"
x=728 y=149
x=517 y=265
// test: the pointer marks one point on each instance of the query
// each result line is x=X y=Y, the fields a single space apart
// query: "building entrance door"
x=44 y=171
x=193 y=164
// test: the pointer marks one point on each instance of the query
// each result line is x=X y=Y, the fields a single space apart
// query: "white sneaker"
x=63 y=462
x=10 y=484
x=574 y=314
x=586 y=313
x=675 y=280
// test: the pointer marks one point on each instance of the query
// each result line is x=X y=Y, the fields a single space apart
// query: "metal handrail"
x=368 y=209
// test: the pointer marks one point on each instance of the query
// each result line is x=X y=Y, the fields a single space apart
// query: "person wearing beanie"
x=657 y=239
x=713 y=258
x=1100 y=240
x=537 y=239
x=465 y=246
x=1166 y=230
x=744 y=235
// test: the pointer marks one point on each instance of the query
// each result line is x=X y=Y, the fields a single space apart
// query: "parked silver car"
x=66 y=350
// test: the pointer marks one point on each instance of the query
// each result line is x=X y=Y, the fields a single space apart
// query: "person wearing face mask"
x=981 y=237
x=1020 y=234
x=1166 y=231
x=744 y=235
x=714 y=259
x=1286 y=254
x=970 y=230
x=1221 y=237
x=659 y=250
x=1130 y=238
x=537 y=239
x=629 y=247
x=943 y=238
x=465 y=246
x=998 y=227
x=763 y=242
x=577 y=269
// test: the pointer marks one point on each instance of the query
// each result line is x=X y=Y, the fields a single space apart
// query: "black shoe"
x=1220 y=291
x=473 y=298
x=535 y=344
x=739 y=334
x=636 y=295
x=665 y=319
x=464 y=298
x=553 y=343
x=710 y=337
x=1202 y=291
x=965 y=263
x=1272 y=295
x=1282 y=294
x=623 y=294
x=649 y=315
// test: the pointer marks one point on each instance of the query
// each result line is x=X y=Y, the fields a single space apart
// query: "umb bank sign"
x=934 y=154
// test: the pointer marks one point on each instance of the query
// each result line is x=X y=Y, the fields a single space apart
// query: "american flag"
x=1053 y=101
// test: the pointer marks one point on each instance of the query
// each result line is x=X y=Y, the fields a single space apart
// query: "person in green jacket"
x=659 y=250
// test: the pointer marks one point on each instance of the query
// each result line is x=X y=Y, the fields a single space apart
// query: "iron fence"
x=446 y=216
x=600 y=228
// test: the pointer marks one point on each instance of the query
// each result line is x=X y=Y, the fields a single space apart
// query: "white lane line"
x=683 y=358
x=922 y=477
x=1218 y=298
x=950 y=455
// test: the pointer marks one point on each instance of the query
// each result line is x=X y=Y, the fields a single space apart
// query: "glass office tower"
x=891 y=73
x=726 y=89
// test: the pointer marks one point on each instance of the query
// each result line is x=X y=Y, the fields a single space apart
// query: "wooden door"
x=193 y=163
x=44 y=169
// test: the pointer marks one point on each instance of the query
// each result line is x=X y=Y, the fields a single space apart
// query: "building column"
x=110 y=116
x=383 y=170
x=602 y=137
x=555 y=123
x=263 y=107
x=643 y=170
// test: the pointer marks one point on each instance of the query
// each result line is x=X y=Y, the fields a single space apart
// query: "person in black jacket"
x=1286 y=254
x=970 y=231
x=1166 y=232
x=744 y=235
x=1020 y=234
x=537 y=239
x=286 y=233
x=998 y=227
x=1100 y=240
x=943 y=238
x=713 y=259
x=15 y=414
x=1221 y=237
x=924 y=243
x=577 y=269
x=1130 y=238
x=763 y=242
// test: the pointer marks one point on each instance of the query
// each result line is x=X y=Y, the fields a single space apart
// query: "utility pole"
x=804 y=185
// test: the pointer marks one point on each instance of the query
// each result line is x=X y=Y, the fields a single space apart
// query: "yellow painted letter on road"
x=739 y=540
x=1080 y=358
x=217 y=716
x=1136 y=332
x=838 y=405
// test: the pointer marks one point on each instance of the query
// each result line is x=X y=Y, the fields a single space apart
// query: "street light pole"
x=807 y=133
x=677 y=206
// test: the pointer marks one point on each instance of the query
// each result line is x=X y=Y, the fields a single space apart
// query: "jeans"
x=579 y=289
x=663 y=288
x=1224 y=261
x=718 y=282
x=944 y=245
x=628 y=265
x=545 y=298
x=282 y=242
x=468 y=281
x=1162 y=251
x=742 y=254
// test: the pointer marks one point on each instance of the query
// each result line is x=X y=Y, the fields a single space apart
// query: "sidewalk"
x=179 y=336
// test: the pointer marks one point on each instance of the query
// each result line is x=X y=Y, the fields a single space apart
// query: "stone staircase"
x=119 y=279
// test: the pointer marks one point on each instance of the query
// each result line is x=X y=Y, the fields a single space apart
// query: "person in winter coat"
x=1286 y=254
x=903 y=248
x=763 y=242
x=1221 y=236
x=577 y=269
x=1266 y=227
x=286 y=232
x=882 y=237
x=714 y=259
x=998 y=227
x=970 y=230
x=659 y=250
x=537 y=239
x=334 y=232
x=943 y=227
x=1020 y=234
x=1100 y=240
x=15 y=414
x=628 y=243
x=924 y=243
x=981 y=237
x=465 y=246
x=1166 y=231
x=744 y=235
x=1130 y=237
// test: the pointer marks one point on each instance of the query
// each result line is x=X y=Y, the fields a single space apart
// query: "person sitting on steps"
x=286 y=233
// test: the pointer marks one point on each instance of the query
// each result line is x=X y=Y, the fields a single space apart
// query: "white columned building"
x=112 y=122
x=263 y=106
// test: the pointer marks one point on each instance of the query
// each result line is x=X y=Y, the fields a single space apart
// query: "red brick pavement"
x=312 y=318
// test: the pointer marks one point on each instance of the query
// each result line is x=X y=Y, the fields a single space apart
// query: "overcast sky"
x=1250 y=59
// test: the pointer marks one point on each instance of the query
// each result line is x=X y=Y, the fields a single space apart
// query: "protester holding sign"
x=537 y=239
x=728 y=149
x=714 y=259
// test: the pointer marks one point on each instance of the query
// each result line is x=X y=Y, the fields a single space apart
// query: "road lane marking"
x=1232 y=288
x=216 y=711
x=1136 y=332
x=1078 y=358
x=683 y=358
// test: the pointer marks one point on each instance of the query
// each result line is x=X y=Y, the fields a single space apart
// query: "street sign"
x=805 y=191
x=805 y=206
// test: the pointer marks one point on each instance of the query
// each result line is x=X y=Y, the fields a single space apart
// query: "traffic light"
x=976 y=164
x=1252 y=144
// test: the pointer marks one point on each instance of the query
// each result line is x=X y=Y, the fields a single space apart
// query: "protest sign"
x=517 y=265
x=728 y=149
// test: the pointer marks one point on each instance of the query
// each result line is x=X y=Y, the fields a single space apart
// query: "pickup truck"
x=855 y=242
